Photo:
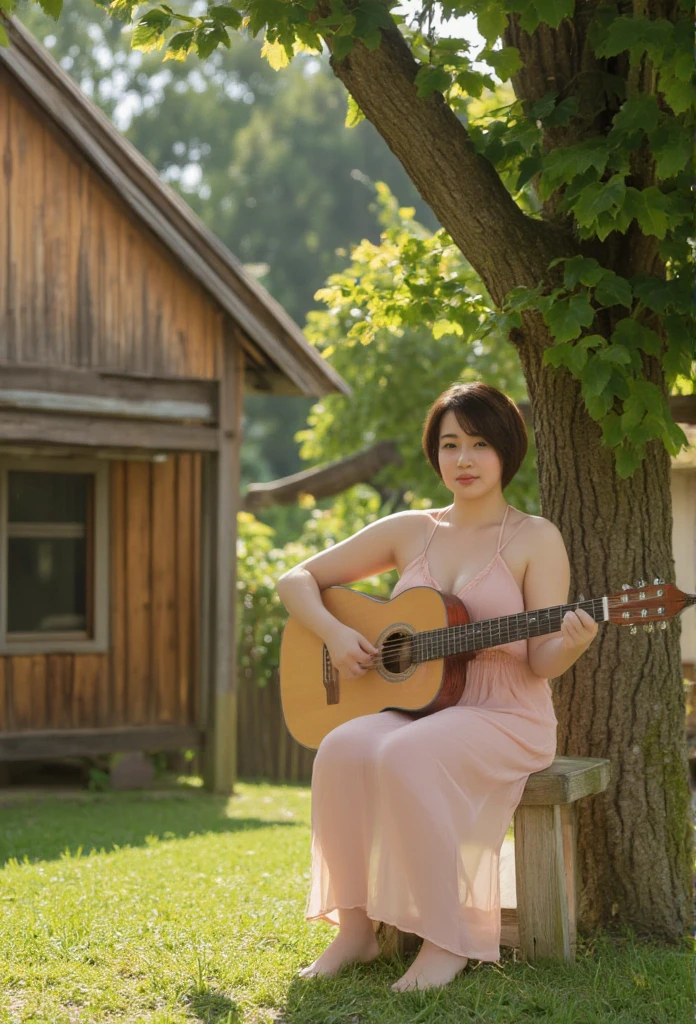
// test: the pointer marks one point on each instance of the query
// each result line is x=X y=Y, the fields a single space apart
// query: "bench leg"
x=395 y=943
x=545 y=876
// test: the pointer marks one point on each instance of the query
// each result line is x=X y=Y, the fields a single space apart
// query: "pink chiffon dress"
x=409 y=815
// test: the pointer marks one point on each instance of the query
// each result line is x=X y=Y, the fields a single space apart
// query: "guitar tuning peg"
x=657 y=581
x=640 y=583
x=648 y=627
x=662 y=625
x=633 y=630
x=625 y=586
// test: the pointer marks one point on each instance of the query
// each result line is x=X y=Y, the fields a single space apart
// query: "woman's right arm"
x=367 y=553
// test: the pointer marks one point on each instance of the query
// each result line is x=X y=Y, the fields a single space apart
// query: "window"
x=53 y=555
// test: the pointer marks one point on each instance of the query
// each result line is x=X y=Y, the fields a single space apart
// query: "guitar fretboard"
x=443 y=643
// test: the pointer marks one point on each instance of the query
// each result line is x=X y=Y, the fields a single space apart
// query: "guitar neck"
x=476 y=636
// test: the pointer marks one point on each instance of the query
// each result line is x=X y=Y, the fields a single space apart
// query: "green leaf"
x=179 y=45
x=634 y=336
x=227 y=15
x=506 y=62
x=52 y=7
x=639 y=113
x=275 y=54
x=613 y=290
x=473 y=82
x=612 y=431
x=654 y=292
x=147 y=38
x=628 y=459
x=342 y=46
x=583 y=269
x=432 y=79
x=491 y=22
x=564 y=164
x=555 y=355
x=566 y=318
x=615 y=354
x=563 y=113
x=671 y=145
x=650 y=210
x=354 y=114
x=595 y=376
x=530 y=166
x=442 y=327
x=554 y=11
x=597 y=197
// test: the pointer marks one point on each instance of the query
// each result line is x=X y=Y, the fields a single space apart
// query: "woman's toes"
x=432 y=968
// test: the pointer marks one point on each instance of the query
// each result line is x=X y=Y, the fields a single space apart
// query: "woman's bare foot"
x=356 y=942
x=432 y=968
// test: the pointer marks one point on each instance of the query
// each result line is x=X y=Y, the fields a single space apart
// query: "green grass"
x=189 y=908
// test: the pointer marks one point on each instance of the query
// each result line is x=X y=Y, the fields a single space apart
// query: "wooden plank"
x=28 y=703
x=566 y=780
x=221 y=757
x=196 y=690
x=509 y=927
x=540 y=874
x=95 y=405
x=183 y=585
x=139 y=593
x=113 y=711
x=105 y=432
x=60 y=680
x=4 y=724
x=90 y=677
x=19 y=746
x=164 y=682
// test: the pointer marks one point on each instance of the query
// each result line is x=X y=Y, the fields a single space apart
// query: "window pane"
x=47 y=497
x=46 y=585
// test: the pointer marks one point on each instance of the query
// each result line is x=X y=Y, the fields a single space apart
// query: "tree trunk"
x=623 y=699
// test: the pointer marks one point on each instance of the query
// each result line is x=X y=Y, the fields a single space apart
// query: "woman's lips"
x=466 y=479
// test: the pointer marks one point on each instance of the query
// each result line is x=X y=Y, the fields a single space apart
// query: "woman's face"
x=461 y=455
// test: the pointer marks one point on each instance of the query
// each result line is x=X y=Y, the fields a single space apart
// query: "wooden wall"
x=82 y=283
x=150 y=676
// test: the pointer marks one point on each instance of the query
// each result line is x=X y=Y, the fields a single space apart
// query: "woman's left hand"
x=579 y=630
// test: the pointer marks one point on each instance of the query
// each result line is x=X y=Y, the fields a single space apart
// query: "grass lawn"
x=187 y=907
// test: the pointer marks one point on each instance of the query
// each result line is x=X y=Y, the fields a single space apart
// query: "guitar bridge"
x=330 y=680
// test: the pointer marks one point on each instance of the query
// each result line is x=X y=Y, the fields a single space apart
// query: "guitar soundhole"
x=397 y=653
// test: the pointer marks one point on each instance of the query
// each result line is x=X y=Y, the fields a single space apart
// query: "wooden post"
x=220 y=505
x=544 y=871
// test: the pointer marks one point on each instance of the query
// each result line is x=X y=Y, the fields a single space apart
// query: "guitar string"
x=485 y=632
x=483 y=624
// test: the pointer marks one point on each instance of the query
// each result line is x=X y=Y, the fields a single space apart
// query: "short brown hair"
x=480 y=410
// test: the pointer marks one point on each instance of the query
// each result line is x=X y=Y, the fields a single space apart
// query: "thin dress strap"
x=513 y=532
x=437 y=523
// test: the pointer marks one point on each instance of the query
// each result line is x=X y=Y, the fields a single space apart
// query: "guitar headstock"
x=645 y=604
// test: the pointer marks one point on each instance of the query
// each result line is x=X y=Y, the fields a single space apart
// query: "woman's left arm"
x=546 y=583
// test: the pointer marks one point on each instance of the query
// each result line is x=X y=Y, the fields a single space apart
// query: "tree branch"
x=323 y=481
x=504 y=245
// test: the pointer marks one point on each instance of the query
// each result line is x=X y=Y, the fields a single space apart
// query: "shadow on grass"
x=49 y=830
x=212 y=1007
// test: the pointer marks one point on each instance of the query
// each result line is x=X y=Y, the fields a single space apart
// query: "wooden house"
x=128 y=335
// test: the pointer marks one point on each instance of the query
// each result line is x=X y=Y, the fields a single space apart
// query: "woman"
x=409 y=815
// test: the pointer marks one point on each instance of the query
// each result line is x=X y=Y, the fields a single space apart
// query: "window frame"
x=55 y=643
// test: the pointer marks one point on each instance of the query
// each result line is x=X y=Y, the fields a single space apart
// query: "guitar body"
x=316 y=699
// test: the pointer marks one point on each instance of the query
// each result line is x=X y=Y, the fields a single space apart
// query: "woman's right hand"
x=350 y=651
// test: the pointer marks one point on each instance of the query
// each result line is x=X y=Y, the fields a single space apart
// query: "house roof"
x=293 y=365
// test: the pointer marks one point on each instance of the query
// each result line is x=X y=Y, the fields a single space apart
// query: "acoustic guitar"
x=425 y=641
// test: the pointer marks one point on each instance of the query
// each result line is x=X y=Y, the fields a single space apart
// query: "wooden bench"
x=544 y=923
